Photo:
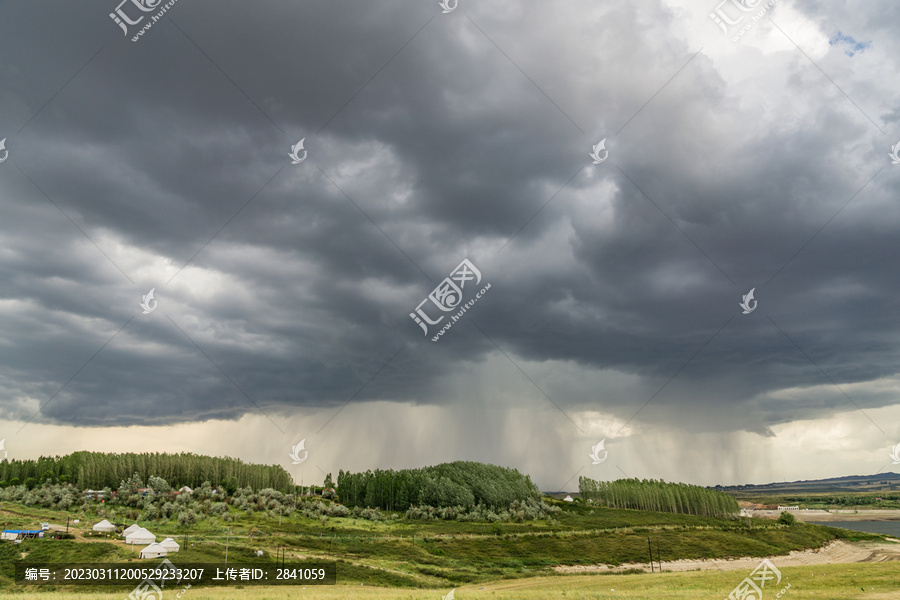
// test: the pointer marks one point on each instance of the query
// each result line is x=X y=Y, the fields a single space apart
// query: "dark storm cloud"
x=716 y=179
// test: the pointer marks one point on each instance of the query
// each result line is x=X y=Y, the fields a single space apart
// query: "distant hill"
x=882 y=482
x=460 y=483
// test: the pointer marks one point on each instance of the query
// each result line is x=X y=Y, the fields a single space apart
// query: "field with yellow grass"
x=857 y=581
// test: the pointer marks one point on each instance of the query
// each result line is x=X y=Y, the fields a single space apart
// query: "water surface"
x=886 y=527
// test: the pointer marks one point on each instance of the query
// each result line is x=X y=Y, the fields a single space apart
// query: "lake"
x=886 y=527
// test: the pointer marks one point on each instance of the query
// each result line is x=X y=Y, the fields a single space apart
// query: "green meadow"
x=859 y=581
x=408 y=555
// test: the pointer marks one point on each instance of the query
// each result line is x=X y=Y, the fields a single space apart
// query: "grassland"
x=859 y=581
x=430 y=554
x=828 y=500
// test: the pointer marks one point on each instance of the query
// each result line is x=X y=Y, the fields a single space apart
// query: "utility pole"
x=227 y=531
x=67 y=524
x=651 y=554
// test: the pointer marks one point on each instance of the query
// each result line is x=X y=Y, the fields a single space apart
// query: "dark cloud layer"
x=434 y=138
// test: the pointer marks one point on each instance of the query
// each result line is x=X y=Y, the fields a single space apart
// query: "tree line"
x=459 y=484
x=648 y=494
x=98 y=470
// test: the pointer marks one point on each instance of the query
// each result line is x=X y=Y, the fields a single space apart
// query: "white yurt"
x=131 y=529
x=104 y=526
x=153 y=551
x=170 y=545
x=140 y=536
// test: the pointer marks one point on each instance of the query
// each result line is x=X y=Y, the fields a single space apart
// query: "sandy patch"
x=837 y=551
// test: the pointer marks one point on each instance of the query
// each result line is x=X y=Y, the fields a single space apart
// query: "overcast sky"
x=756 y=158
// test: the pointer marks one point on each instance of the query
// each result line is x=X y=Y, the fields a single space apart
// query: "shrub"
x=158 y=484
x=517 y=511
x=187 y=518
x=787 y=518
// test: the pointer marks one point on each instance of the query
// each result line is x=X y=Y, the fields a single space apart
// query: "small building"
x=104 y=526
x=185 y=490
x=20 y=534
x=788 y=508
x=130 y=529
x=140 y=536
x=153 y=551
x=170 y=545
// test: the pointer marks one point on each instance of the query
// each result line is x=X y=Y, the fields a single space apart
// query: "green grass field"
x=411 y=556
x=860 y=581
x=844 y=499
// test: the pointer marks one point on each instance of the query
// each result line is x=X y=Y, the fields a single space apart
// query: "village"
x=132 y=535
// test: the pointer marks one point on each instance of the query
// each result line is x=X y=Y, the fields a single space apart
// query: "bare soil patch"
x=837 y=551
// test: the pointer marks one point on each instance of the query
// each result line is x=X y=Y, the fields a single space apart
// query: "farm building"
x=140 y=536
x=170 y=545
x=94 y=493
x=153 y=551
x=21 y=534
x=104 y=526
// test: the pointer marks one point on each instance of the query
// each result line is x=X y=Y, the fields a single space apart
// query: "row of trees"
x=97 y=470
x=458 y=484
x=648 y=494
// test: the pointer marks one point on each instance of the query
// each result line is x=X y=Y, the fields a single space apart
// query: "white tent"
x=153 y=551
x=104 y=525
x=140 y=536
x=170 y=545
x=131 y=529
x=185 y=490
